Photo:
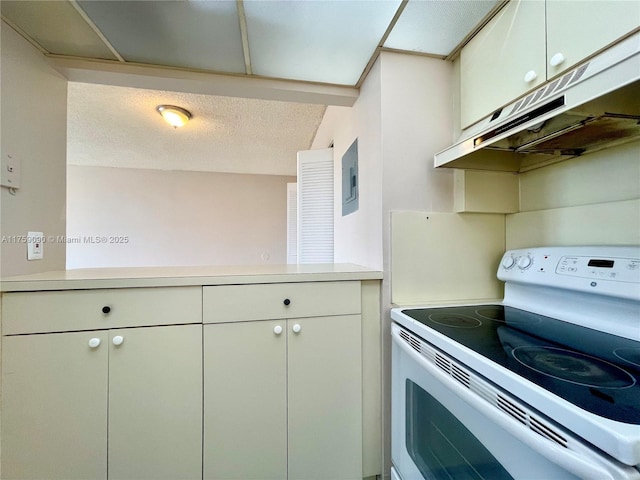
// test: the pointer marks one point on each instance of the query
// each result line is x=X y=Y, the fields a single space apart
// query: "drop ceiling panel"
x=57 y=27
x=194 y=34
x=315 y=40
x=436 y=26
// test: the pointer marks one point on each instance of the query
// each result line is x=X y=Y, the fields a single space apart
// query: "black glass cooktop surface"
x=596 y=371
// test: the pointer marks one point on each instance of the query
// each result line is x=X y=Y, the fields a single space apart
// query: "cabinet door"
x=325 y=398
x=494 y=64
x=577 y=29
x=155 y=403
x=245 y=408
x=54 y=406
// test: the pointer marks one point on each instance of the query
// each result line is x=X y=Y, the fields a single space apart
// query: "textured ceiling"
x=119 y=127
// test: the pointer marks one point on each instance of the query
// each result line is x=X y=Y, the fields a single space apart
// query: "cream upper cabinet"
x=577 y=29
x=531 y=41
x=504 y=60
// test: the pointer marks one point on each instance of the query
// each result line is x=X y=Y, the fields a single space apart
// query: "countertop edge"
x=47 y=280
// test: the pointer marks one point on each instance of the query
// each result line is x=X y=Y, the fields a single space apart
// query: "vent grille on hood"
x=554 y=87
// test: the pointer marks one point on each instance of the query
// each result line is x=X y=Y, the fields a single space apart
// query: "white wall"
x=357 y=236
x=417 y=122
x=33 y=129
x=606 y=176
x=593 y=199
x=175 y=218
x=404 y=115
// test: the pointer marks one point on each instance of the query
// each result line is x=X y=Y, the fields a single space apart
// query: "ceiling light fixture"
x=174 y=116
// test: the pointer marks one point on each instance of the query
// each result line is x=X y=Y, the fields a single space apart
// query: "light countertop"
x=185 y=276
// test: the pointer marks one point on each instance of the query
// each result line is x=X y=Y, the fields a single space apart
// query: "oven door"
x=442 y=429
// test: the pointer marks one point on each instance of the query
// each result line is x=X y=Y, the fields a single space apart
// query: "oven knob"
x=508 y=262
x=525 y=262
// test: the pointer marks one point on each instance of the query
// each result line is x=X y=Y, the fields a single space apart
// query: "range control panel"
x=614 y=269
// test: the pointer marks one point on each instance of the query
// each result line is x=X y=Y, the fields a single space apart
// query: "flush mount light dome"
x=174 y=116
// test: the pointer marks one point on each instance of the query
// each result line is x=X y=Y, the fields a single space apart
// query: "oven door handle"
x=570 y=460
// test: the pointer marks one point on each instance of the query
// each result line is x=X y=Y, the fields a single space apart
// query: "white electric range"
x=545 y=384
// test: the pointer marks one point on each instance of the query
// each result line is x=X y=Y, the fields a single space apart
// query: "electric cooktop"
x=596 y=371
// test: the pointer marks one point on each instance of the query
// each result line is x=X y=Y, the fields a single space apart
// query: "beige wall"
x=33 y=129
x=401 y=119
x=593 y=199
x=175 y=218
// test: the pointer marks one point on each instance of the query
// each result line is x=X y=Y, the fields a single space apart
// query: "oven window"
x=441 y=446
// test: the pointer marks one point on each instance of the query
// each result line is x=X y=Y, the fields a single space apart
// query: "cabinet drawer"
x=236 y=303
x=70 y=310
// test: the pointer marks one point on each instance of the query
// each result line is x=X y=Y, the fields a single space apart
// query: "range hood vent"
x=594 y=106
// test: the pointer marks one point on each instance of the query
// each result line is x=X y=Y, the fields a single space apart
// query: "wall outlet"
x=35 y=245
x=10 y=171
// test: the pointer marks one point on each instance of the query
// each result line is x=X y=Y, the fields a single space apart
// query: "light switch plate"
x=10 y=172
x=35 y=245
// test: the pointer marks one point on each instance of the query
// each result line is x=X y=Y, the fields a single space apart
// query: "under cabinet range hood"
x=594 y=106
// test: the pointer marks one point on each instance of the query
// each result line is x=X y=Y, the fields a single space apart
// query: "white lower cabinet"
x=155 y=403
x=54 y=406
x=245 y=406
x=128 y=384
x=117 y=404
x=283 y=399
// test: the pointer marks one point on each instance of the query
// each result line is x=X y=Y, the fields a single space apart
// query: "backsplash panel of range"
x=594 y=106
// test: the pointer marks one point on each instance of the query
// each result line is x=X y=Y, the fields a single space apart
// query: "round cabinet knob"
x=287 y=302
x=94 y=342
x=557 y=59
x=277 y=329
x=530 y=76
x=117 y=340
x=106 y=309
x=508 y=262
x=296 y=328
x=524 y=262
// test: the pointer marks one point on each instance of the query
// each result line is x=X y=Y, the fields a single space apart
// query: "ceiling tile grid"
x=435 y=27
x=320 y=41
x=195 y=34
x=57 y=27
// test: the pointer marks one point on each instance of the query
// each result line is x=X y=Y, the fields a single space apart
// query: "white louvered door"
x=315 y=206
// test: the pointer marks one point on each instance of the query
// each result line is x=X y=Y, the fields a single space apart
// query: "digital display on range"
x=601 y=263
